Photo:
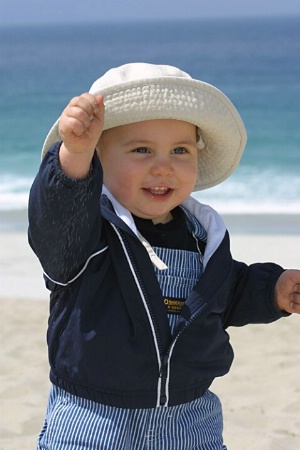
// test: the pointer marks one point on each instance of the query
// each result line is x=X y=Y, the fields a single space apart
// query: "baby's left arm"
x=287 y=291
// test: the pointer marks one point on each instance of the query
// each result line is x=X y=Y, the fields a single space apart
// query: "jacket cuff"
x=274 y=310
x=53 y=153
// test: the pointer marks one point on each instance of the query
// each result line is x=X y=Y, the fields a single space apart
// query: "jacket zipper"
x=165 y=370
x=155 y=333
x=163 y=359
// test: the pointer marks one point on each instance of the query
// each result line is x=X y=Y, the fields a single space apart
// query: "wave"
x=244 y=192
x=14 y=192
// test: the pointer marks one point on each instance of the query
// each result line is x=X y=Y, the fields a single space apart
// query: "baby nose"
x=162 y=167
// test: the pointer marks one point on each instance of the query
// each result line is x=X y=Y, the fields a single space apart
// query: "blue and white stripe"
x=195 y=227
x=74 y=423
x=184 y=269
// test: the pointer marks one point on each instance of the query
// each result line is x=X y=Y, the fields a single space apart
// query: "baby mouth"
x=158 y=190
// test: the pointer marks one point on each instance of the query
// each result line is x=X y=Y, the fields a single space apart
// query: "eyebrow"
x=137 y=141
x=140 y=142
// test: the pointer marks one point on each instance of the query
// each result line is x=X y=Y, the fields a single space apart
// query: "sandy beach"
x=260 y=396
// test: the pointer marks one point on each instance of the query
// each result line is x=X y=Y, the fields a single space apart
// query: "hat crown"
x=135 y=72
x=137 y=92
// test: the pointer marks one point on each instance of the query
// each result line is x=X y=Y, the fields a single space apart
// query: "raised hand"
x=80 y=127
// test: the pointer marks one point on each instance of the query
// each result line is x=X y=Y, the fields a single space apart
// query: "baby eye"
x=141 y=150
x=179 y=151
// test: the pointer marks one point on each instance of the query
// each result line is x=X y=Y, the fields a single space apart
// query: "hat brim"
x=221 y=126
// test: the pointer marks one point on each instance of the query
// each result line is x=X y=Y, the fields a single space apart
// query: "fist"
x=81 y=123
x=287 y=291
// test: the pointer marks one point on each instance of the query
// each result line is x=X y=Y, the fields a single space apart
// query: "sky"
x=84 y=11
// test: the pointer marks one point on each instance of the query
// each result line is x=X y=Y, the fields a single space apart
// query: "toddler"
x=142 y=282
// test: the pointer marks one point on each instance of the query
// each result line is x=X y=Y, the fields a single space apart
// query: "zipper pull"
x=198 y=248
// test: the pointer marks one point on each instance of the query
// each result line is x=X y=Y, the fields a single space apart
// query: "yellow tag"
x=173 y=305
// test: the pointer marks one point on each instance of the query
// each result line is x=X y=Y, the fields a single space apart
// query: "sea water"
x=255 y=62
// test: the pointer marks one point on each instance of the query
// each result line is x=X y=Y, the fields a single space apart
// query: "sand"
x=260 y=396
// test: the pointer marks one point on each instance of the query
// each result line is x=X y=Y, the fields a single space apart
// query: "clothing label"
x=174 y=305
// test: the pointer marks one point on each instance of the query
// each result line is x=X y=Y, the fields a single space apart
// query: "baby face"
x=150 y=167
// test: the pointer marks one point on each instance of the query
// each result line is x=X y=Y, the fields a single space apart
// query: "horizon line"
x=150 y=19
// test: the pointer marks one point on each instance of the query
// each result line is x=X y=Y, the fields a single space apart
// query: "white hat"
x=138 y=91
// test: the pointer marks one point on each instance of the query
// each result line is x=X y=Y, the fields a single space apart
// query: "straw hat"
x=139 y=91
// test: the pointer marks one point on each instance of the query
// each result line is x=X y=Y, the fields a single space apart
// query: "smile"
x=158 y=190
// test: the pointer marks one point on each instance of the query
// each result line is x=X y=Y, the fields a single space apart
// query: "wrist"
x=75 y=164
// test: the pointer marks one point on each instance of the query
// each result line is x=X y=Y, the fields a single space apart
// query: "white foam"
x=14 y=192
x=246 y=191
x=252 y=192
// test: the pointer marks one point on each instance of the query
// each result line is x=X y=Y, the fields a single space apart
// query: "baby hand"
x=287 y=291
x=81 y=123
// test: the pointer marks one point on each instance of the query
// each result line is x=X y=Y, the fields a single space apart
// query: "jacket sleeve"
x=64 y=217
x=252 y=296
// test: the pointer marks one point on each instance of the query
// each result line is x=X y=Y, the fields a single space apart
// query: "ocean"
x=255 y=62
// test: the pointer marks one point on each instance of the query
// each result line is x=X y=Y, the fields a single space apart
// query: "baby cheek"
x=121 y=182
x=193 y=171
x=191 y=178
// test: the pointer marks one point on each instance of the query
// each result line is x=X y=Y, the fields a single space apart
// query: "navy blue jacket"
x=109 y=338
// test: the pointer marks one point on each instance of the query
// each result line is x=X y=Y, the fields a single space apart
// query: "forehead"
x=154 y=128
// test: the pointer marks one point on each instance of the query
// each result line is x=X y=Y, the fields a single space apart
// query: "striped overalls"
x=74 y=423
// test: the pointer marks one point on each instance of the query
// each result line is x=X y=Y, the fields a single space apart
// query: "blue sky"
x=70 y=11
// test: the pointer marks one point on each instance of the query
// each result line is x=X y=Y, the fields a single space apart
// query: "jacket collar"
x=211 y=222
x=207 y=216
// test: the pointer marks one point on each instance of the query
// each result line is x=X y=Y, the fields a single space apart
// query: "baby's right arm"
x=64 y=214
x=80 y=127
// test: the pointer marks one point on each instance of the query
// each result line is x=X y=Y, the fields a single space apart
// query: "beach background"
x=256 y=63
